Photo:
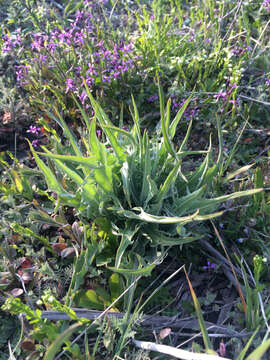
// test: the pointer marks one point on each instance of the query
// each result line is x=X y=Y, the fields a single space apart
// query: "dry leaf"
x=164 y=333
x=28 y=345
x=6 y=118
x=70 y=251
x=59 y=247
x=16 y=292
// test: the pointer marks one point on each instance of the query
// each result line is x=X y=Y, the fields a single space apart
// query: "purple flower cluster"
x=266 y=4
x=210 y=266
x=225 y=95
x=33 y=130
x=11 y=41
x=21 y=74
x=38 y=42
x=189 y=113
x=113 y=63
x=238 y=50
x=267 y=81
x=102 y=64
x=73 y=36
x=70 y=85
x=152 y=98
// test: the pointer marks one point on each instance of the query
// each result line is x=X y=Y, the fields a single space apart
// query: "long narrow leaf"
x=126 y=182
x=165 y=131
x=104 y=120
x=260 y=351
x=135 y=116
x=96 y=147
x=51 y=180
x=157 y=238
x=56 y=345
x=69 y=134
x=146 y=168
x=90 y=161
x=167 y=184
x=241 y=356
x=173 y=125
x=204 y=332
x=184 y=142
x=143 y=216
x=145 y=271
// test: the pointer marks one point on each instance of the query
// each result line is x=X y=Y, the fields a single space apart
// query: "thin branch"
x=147 y=320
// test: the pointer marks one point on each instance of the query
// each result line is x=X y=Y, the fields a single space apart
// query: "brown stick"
x=149 y=320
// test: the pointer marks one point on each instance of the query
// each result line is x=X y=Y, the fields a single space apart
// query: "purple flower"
x=267 y=81
x=99 y=134
x=209 y=266
x=83 y=97
x=89 y=81
x=33 y=130
x=221 y=94
x=91 y=70
x=234 y=102
x=65 y=37
x=100 y=44
x=116 y=74
x=21 y=72
x=38 y=42
x=42 y=58
x=11 y=42
x=52 y=46
x=152 y=98
x=241 y=240
x=35 y=143
x=266 y=4
x=78 y=70
x=70 y=85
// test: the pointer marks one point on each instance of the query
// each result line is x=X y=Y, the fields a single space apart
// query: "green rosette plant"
x=135 y=181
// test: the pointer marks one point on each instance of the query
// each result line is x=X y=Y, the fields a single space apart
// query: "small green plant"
x=257 y=313
x=135 y=182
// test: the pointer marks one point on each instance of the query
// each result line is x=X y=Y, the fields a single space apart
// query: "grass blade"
x=260 y=351
x=56 y=345
x=178 y=117
x=206 y=340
